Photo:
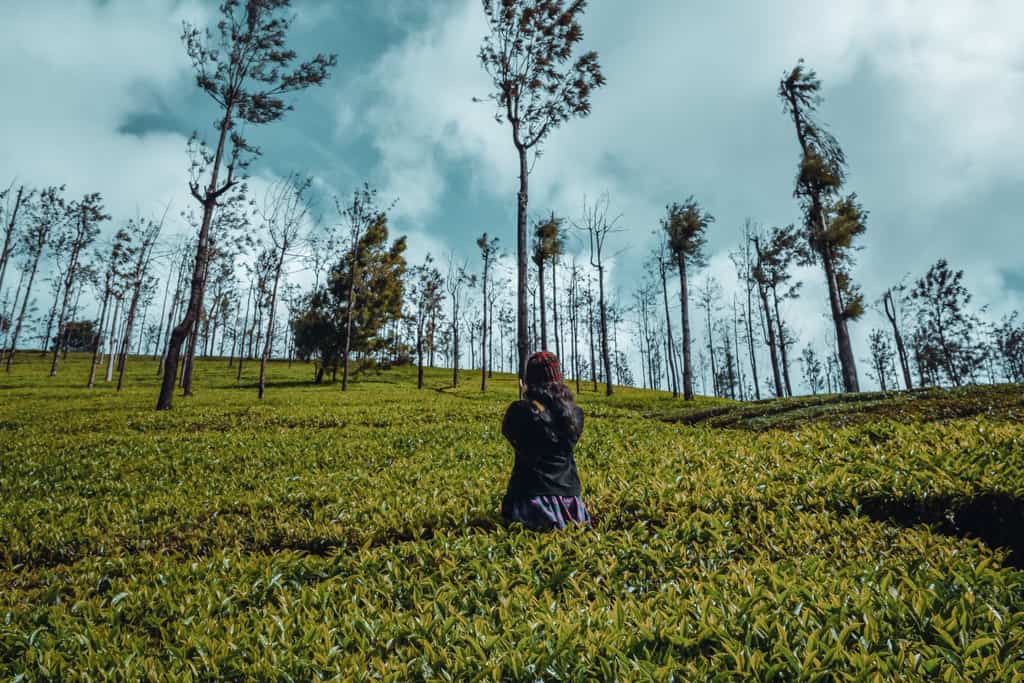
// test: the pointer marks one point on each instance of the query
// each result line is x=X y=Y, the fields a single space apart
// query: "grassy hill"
x=320 y=534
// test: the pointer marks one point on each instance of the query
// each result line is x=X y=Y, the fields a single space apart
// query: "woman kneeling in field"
x=544 y=490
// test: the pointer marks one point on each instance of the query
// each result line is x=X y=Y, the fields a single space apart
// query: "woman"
x=543 y=428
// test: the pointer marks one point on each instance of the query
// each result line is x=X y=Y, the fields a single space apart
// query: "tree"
x=246 y=69
x=664 y=263
x=284 y=209
x=598 y=226
x=812 y=369
x=9 y=217
x=143 y=253
x=488 y=252
x=881 y=358
x=893 y=314
x=684 y=225
x=326 y=325
x=774 y=259
x=81 y=228
x=831 y=222
x=527 y=55
x=1009 y=345
x=744 y=261
x=456 y=279
x=945 y=326
x=426 y=293
x=79 y=335
x=708 y=294
x=116 y=265
x=362 y=216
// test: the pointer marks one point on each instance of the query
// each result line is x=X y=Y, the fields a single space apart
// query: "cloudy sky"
x=925 y=96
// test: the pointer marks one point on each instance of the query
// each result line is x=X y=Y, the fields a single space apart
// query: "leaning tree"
x=537 y=87
x=246 y=68
x=832 y=222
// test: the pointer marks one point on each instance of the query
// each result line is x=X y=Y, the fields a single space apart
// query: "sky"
x=925 y=96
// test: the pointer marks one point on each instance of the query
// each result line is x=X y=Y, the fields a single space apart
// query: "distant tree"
x=362 y=216
x=813 y=375
x=527 y=54
x=81 y=228
x=774 y=259
x=744 y=260
x=245 y=69
x=598 y=226
x=114 y=267
x=1009 y=346
x=10 y=208
x=426 y=293
x=709 y=292
x=832 y=222
x=326 y=326
x=685 y=225
x=945 y=325
x=148 y=232
x=488 y=253
x=891 y=301
x=79 y=335
x=456 y=280
x=881 y=357
x=285 y=207
x=664 y=261
x=548 y=246
x=46 y=216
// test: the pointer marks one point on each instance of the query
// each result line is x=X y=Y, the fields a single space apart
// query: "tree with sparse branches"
x=488 y=253
x=246 y=68
x=528 y=53
x=598 y=226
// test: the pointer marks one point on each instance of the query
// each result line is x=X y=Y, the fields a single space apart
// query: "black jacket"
x=544 y=464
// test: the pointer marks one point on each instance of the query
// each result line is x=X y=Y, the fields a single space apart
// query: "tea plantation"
x=320 y=535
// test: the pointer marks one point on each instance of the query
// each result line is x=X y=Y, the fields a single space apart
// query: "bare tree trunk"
x=736 y=346
x=5 y=252
x=685 y=315
x=483 y=334
x=99 y=335
x=265 y=356
x=245 y=325
x=771 y=341
x=24 y=311
x=69 y=282
x=593 y=358
x=750 y=346
x=522 y=339
x=782 y=344
x=605 y=356
x=890 y=313
x=115 y=324
x=554 y=307
x=673 y=379
x=543 y=307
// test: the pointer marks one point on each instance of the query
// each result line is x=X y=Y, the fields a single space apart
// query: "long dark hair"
x=557 y=398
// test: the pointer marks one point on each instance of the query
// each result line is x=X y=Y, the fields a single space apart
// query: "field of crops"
x=318 y=535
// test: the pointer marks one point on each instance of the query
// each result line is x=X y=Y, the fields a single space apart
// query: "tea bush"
x=321 y=535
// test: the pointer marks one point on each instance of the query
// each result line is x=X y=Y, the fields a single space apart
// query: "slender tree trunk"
x=736 y=346
x=846 y=360
x=890 y=313
x=711 y=354
x=265 y=356
x=455 y=340
x=348 y=312
x=593 y=357
x=762 y=290
x=784 y=356
x=685 y=321
x=24 y=310
x=750 y=345
x=245 y=325
x=574 y=322
x=69 y=281
x=195 y=301
x=128 y=325
x=483 y=334
x=668 y=330
x=112 y=337
x=554 y=307
x=605 y=356
x=543 y=307
x=45 y=347
x=99 y=335
x=5 y=252
x=522 y=338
